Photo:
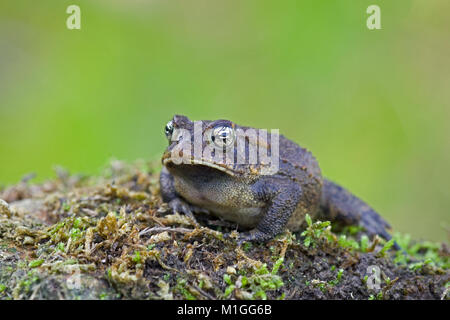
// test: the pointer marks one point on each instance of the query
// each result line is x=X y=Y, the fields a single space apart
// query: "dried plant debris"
x=112 y=237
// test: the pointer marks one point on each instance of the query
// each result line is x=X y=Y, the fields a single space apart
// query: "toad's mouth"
x=168 y=162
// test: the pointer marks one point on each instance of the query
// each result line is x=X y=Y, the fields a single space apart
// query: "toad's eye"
x=169 y=129
x=222 y=136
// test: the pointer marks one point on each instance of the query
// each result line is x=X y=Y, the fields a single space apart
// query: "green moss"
x=364 y=243
x=60 y=247
x=247 y=246
x=103 y=296
x=316 y=231
x=428 y=253
x=352 y=230
x=387 y=246
x=36 y=263
x=338 y=277
x=181 y=287
x=228 y=291
x=75 y=233
x=345 y=242
x=137 y=257
x=66 y=206
x=277 y=265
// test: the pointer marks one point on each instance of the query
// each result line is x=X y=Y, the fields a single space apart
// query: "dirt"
x=111 y=237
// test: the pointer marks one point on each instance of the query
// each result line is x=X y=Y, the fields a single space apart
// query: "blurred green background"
x=373 y=106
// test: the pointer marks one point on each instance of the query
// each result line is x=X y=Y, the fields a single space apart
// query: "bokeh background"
x=373 y=106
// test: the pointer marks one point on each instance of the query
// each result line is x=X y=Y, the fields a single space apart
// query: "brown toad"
x=247 y=193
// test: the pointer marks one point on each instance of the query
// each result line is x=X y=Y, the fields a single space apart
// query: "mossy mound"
x=111 y=237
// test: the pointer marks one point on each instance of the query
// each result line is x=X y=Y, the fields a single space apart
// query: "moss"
x=36 y=263
x=111 y=237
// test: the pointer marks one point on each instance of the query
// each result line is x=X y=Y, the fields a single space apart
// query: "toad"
x=222 y=168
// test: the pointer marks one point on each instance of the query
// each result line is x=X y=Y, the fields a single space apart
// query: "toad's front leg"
x=282 y=197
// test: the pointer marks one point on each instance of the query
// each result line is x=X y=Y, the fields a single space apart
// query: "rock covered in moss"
x=111 y=237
